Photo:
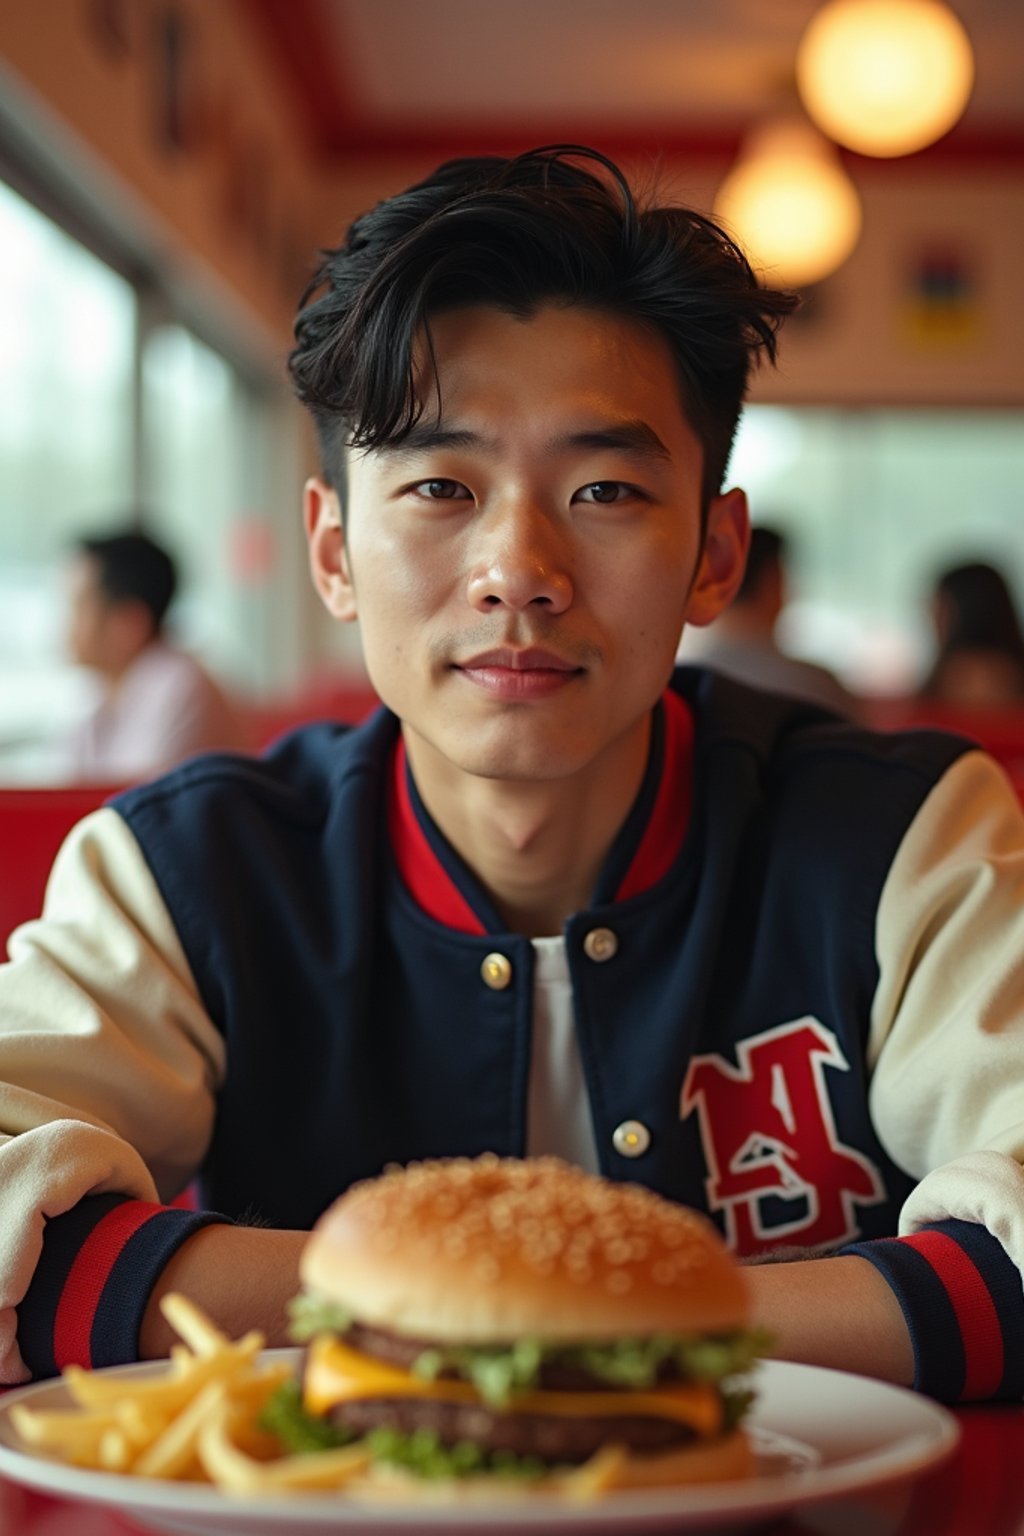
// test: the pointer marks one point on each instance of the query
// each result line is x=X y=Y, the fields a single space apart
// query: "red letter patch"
x=776 y=1168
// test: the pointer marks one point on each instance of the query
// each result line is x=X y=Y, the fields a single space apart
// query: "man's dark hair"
x=767 y=548
x=980 y=611
x=517 y=234
x=132 y=568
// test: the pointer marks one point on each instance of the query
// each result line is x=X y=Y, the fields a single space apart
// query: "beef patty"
x=549 y=1437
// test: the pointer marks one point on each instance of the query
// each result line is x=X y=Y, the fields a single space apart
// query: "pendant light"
x=884 y=77
x=790 y=204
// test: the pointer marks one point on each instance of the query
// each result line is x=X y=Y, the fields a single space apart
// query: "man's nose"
x=522 y=559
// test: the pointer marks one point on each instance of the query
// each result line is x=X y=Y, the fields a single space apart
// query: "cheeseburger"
x=473 y=1318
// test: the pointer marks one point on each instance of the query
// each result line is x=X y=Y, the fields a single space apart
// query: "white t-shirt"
x=558 y=1121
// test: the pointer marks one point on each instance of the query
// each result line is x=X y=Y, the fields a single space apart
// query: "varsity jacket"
x=797 y=993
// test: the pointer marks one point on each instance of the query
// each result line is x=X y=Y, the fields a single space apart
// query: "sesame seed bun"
x=489 y=1250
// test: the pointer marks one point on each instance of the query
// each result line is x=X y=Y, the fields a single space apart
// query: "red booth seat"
x=33 y=824
x=35 y=821
x=999 y=731
x=271 y=718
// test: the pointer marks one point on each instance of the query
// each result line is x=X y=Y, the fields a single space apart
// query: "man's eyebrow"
x=634 y=437
x=423 y=438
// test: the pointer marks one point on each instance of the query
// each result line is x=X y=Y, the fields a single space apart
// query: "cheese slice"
x=335 y=1373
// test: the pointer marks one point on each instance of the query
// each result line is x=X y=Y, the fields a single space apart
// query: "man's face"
x=523 y=564
x=88 y=623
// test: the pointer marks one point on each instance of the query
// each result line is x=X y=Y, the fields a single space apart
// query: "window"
x=876 y=503
x=108 y=415
x=190 y=411
x=66 y=365
x=66 y=449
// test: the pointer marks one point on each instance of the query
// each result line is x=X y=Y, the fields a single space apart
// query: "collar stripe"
x=435 y=891
x=669 y=821
x=422 y=872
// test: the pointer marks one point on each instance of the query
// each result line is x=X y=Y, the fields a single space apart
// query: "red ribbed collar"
x=426 y=865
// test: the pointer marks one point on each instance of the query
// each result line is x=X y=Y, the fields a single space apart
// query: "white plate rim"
x=927 y=1434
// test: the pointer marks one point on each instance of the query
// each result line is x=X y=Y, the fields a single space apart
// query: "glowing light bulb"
x=790 y=204
x=885 y=77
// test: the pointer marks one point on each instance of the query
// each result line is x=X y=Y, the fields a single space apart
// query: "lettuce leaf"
x=498 y=1373
x=284 y=1416
x=310 y=1314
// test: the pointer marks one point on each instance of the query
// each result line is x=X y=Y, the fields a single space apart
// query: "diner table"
x=977 y=1491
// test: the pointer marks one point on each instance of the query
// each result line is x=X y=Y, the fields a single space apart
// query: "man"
x=159 y=705
x=551 y=898
x=741 y=642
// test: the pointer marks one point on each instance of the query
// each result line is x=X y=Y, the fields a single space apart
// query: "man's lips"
x=532 y=659
x=519 y=674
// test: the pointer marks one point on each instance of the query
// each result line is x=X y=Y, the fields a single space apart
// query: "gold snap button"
x=600 y=944
x=497 y=972
x=631 y=1138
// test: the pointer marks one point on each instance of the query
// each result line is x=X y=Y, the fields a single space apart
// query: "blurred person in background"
x=741 y=642
x=158 y=705
x=980 y=657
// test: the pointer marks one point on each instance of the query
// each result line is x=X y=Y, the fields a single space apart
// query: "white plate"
x=819 y=1434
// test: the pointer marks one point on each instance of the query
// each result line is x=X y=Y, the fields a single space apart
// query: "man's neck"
x=537 y=847
x=120 y=668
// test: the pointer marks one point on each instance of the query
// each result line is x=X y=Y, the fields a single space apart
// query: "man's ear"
x=723 y=560
x=328 y=557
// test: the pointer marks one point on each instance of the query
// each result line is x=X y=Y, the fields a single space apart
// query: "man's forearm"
x=834 y=1312
x=242 y=1277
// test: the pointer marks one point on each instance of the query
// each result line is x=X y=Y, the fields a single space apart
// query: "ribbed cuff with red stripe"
x=962 y=1300
x=100 y=1261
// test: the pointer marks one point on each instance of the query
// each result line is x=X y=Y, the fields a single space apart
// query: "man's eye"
x=441 y=490
x=604 y=492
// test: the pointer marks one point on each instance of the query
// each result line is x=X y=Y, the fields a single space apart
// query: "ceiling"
x=687 y=76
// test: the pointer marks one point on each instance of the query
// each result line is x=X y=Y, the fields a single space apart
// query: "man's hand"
x=837 y=1312
x=241 y=1277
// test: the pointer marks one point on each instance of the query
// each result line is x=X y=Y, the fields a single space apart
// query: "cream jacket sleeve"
x=947 y=1029
x=109 y=1064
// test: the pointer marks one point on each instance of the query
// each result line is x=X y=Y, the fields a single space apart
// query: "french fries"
x=196 y=1421
x=232 y=1469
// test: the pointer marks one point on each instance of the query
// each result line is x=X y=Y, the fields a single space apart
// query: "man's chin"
x=519 y=766
x=507 y=751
